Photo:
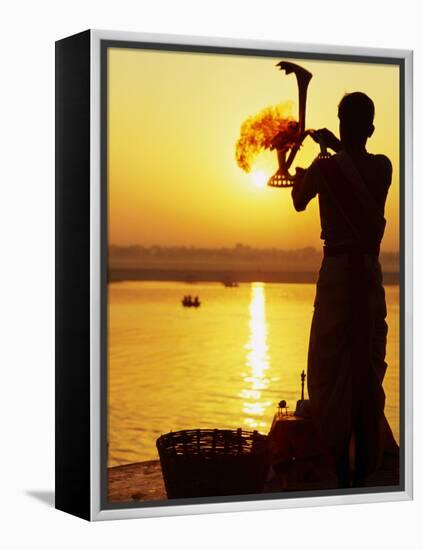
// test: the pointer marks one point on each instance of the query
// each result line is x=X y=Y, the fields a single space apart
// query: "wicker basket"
x=200 y=463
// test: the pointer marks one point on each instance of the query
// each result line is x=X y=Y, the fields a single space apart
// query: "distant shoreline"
x=222 y=276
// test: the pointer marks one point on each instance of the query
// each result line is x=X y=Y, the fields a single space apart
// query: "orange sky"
x=174 y=119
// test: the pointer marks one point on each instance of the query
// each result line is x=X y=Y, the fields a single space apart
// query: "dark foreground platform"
x=143 y=481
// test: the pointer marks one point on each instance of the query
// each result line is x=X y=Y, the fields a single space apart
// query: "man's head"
x=356 y=112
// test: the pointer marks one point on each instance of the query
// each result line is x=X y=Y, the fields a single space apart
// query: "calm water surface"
x=225 y=364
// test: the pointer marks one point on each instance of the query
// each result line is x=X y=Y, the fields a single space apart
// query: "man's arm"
x=386 y=169
x=305 y=187
x=328 y=138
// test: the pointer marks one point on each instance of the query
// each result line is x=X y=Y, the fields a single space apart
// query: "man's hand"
x=328 y=138
x=299 y=173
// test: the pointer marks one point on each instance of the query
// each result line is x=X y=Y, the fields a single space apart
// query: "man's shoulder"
x=383 y=161
x=314 y=171
x=384 y=167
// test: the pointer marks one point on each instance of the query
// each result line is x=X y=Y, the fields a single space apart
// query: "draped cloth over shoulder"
x=346 y=362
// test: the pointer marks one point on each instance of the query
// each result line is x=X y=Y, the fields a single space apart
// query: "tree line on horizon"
x=238 y=251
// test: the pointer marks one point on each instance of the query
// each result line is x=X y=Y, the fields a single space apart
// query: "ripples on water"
x=226 y=364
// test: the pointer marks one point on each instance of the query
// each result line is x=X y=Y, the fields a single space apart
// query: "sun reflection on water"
x=257 y=360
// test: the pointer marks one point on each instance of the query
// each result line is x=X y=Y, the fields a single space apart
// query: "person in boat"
x=196 y=302
x=346 y=357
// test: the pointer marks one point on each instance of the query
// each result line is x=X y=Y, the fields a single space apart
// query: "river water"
x=225 y=364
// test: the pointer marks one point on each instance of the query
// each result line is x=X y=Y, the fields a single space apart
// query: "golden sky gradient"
x=174 y=119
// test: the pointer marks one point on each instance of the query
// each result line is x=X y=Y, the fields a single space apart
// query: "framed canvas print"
x=233 y=275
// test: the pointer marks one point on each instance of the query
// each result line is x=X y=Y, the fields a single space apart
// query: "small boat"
x=230 y=284
x=187 y=301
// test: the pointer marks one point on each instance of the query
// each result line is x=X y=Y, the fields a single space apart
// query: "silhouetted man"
x=346 y=360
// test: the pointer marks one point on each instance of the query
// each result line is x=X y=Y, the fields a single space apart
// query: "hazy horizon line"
x=236 y=246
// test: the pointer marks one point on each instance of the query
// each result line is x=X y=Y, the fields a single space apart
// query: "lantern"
x=288 y=142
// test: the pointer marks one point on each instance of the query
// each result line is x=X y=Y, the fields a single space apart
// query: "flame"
x=259 y=132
